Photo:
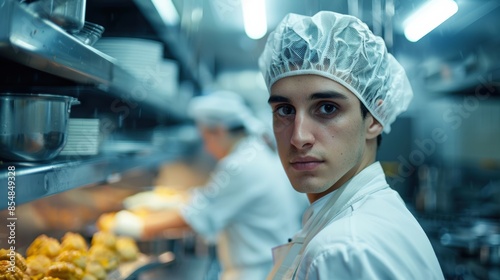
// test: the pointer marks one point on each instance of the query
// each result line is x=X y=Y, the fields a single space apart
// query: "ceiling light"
x=429 y=16
x=167 y=11
x=254 y=18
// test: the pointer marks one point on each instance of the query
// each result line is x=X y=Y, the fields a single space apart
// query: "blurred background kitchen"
x=134 y=64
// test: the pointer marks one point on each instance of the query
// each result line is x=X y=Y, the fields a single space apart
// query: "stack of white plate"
x=168 y=77
x=83 y=137
x=137 y=56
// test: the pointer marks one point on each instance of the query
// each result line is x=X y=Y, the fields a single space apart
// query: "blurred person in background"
x=247 y=207
x=334 y=88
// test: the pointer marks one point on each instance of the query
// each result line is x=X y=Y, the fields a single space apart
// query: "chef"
x=334 y=89
x=248 y=206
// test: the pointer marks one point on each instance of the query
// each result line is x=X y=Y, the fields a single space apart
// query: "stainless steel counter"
x=187 y=268
x=194 y=260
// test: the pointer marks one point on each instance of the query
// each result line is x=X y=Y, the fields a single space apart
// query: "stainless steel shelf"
x=37 y=180
x=40 y=44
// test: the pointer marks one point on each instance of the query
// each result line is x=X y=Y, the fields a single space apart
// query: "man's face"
x=320 y=132
x=214 y=140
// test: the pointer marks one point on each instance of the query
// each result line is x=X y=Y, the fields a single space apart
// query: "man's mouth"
x=305 y=163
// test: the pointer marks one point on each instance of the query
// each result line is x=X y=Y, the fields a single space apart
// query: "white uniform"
x=374 y=238
x=248 y=207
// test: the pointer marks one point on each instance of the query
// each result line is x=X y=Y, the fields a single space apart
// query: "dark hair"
x=364 y=112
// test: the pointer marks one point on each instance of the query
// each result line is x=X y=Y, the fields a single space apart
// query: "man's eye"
x=285 y=110
x=327 y=109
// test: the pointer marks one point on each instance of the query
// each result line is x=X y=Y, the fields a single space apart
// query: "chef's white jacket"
x=248 y=207
x=374 y=238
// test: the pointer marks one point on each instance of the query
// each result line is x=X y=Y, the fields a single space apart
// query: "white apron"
x=287 y=257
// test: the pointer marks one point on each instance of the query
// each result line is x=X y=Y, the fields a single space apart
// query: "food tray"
x=130 y=270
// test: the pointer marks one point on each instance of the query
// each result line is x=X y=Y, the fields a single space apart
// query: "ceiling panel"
x=221 y=41
x=214 y=29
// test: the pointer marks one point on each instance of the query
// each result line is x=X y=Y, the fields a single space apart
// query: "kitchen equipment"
x=465 y=242
x=90 y=33
x=68 y=14
x=479 y=238
x=33 y=126
x=490 y=249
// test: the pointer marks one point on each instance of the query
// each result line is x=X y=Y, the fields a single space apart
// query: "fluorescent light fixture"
x=429 y=16
x=167 y=11
x=254 y=18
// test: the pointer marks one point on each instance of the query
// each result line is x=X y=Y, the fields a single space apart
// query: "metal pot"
x=68 y=14
x=33 y=126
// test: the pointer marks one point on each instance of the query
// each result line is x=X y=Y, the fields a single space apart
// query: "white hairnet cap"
x=224 y=108
x=341 y=48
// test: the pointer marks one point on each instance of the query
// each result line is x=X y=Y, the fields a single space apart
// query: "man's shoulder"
x=367 y=230
x=366 y=225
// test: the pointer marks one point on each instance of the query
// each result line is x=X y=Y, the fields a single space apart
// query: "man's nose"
x=302 y=135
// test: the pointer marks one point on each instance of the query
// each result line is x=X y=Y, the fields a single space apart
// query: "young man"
x=248 y=205
x=333 y=89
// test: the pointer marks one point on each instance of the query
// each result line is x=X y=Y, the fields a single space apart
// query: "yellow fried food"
x=106 y=221
x=73 y=241
x=87 y=276
x=19 y=260
x=78 y=258
x=9 y=272
x=104 y=256
x=50 y=278
x=37 y=266
x=127 y=248
x=66 y=271
x=44 y=245
x=95 y=269
x=104 y=238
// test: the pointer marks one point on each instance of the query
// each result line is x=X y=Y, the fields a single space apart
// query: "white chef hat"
x=224 y=108
x=341 y=48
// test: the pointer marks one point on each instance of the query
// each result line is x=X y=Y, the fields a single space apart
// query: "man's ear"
x=373 y=127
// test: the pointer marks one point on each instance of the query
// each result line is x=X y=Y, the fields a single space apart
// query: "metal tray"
x=131 y=270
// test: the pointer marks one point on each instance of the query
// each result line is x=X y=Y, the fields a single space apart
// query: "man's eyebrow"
x=317 y=95
x=328 y=95
x=277 y=99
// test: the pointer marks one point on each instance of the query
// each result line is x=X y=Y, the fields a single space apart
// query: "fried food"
x=73 y=241
x=106 y=222
x=89 y=277
x=95 y=269
x=104 y=256
x=71 y=259
x=78 y=258
x=37 y=266
x=19 y=260
x=127 y=248
x=44 y=245
x=64 y=270
x=8 y=272
x=104 y=238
